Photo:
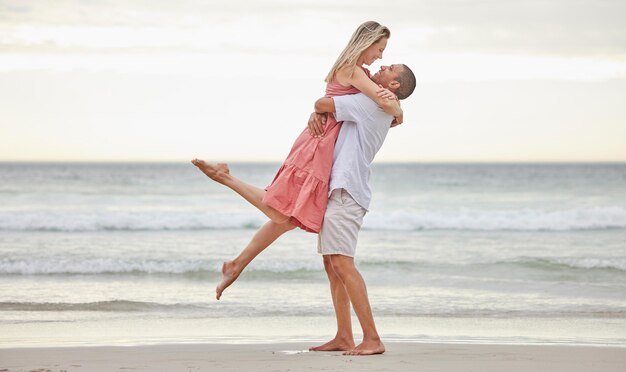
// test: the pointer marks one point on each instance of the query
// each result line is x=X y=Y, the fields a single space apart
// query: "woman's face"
x=374 y=52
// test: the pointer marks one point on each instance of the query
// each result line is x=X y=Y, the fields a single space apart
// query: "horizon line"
x=280 y=161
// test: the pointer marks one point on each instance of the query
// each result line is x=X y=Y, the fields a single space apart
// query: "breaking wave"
x=595 y=218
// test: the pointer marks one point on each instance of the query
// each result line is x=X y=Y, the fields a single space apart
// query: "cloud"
x=554 y=27
x=450 y=40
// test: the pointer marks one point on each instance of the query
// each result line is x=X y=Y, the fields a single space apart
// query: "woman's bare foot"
x=336 y=344
x=229 y=275
x=217 y=172
x=367 y=348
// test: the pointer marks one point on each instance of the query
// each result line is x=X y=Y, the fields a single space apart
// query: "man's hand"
x=316 y=124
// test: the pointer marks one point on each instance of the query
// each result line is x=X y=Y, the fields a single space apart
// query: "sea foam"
x=277 y=269
x=592 y=218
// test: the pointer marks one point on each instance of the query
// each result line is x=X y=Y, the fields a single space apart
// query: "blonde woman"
x=298 y=195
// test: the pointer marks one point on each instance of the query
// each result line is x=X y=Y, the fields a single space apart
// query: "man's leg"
x=265 y=236
x=357 y=292
x=254 y=195
x=344 y=340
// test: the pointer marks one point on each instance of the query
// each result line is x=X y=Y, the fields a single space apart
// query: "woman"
x=298 y=194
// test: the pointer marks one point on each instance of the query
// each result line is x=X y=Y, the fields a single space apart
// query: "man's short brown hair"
x=407 y=83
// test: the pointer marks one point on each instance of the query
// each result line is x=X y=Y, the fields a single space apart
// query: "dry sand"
x=291 y=357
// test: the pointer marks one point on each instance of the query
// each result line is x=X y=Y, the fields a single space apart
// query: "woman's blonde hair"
x=365 y=35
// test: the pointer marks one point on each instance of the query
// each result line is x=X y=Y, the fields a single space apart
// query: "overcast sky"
x=160 y=80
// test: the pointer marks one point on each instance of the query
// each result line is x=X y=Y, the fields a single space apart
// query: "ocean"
x=130 y=253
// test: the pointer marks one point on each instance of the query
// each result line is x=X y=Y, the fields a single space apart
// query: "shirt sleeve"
x=349 y=108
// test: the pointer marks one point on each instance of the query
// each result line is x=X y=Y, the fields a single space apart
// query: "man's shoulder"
x=359 y=108
x=360 y=99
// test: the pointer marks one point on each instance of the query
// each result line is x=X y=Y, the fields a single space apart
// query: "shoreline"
x=293 y=357
x=155 y=330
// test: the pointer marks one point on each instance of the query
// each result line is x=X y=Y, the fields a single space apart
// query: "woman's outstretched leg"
x=221 y=174
x=266 y=235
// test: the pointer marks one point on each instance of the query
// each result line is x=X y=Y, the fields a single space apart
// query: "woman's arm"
x=362 y=82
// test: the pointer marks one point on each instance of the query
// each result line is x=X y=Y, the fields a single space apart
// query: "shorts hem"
x=336 y=252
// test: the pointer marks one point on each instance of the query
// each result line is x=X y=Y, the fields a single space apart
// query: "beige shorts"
x=341 y=225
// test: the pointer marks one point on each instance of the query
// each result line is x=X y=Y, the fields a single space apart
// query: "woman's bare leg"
x=265 y=236
x=221 y=174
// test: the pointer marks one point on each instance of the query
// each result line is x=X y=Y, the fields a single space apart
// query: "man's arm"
x=317 y=120
x=346 y=108
x=324 y=105
x=390 y=106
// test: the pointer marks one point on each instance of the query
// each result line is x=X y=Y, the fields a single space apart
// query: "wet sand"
x=293 y=357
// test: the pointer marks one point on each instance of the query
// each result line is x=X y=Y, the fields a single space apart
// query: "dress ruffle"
x=303 y=197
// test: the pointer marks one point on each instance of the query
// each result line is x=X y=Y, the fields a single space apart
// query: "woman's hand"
x=388 y=101
x=397 y=120
x=385 y=93
x=316 y=124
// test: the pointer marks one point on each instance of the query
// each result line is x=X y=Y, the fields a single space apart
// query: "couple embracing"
x=323 y=185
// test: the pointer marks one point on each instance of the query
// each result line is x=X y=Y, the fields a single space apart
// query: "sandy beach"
x=293 y=357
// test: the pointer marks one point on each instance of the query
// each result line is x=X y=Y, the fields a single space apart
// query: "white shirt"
x=365 y=126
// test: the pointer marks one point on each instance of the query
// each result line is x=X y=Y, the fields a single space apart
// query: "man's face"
x=387 y=74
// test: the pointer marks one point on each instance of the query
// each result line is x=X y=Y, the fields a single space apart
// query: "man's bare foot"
x=336 y=344
x=370 y=347
x=216 y=172
x=229 y=275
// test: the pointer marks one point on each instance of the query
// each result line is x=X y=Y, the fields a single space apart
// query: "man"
x=361 y=135
x=365 y=126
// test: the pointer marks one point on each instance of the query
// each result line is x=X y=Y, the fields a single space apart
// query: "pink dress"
x=300 y=188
